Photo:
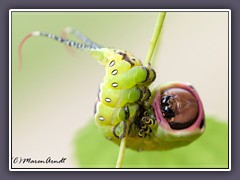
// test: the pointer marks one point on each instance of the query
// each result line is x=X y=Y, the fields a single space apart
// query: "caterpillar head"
x=179 y=112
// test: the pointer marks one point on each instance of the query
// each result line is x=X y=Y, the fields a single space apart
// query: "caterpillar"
x=170 y=116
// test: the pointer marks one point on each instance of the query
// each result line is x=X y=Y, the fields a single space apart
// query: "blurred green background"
x=93 y=151
x=54 y=94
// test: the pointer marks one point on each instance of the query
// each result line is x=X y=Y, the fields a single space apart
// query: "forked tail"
x=82 y=37
x=87 y=45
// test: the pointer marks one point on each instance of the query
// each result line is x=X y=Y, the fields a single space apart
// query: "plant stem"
x=121 y=152
x=152 y=46
x=122 y=148
x=155 y=37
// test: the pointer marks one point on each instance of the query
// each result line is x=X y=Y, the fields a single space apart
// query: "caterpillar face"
x=175 y=118
x=178 y=107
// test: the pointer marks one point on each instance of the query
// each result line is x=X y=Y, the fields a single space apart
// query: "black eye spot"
x=165 y=99
x=168 y=112
x=112 y=63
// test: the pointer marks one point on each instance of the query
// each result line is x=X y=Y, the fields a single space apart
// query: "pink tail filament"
x=20 y=50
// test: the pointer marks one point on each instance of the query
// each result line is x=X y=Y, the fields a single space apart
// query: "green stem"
x=152 y=46
x=155 y=37
x=121 y=152
x=122 y=149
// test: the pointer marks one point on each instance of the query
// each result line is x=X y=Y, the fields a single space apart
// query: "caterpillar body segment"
x=110 y=97
x=106 y=115
x=135 y=76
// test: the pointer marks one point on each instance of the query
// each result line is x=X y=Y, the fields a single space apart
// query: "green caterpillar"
x=170 y=116
x=123 y=92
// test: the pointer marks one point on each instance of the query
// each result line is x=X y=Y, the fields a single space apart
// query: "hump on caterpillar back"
x=105 y=55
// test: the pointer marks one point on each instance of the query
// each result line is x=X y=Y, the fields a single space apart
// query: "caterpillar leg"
x=106 y=115
x=120 y=130
x=117 y=118
x=147 y=122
